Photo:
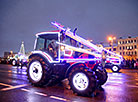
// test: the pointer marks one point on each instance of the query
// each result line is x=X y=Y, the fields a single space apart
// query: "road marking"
x=25 y=90
x=58 y=98
x=14 y=87
x=43 y=94
x=38 y=93
x=5 y=84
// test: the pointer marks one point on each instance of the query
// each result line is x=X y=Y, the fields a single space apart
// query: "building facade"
x=128 y=48
x=114 y=49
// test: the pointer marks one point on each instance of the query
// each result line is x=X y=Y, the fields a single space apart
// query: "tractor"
x=62 y=54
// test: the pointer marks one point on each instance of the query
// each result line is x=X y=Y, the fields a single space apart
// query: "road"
x=14 y=87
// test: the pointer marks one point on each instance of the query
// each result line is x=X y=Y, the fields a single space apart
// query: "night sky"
x=20 y=20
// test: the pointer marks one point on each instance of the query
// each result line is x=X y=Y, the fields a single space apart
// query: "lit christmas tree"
x=22 y=49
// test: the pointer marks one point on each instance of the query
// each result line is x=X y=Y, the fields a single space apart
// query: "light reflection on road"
x=118 y=88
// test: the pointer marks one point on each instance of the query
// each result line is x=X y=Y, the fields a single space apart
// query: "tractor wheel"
x=115 y=68
x=82 y=81
x=102 y=77
x=38 y=71
x=14 y=62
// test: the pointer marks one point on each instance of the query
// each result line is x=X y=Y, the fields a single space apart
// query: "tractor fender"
x=41 y=56
x=72 y=66
x=98 y=67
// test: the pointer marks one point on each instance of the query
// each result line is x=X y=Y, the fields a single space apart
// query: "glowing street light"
x=111 y=41
x=110 y=38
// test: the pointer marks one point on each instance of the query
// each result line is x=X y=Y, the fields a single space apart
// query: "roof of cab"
x=48 y=32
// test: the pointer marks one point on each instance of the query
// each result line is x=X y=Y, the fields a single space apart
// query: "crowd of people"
x=131 y=63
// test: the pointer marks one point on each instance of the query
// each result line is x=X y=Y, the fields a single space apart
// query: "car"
x=3 y=60
x=114 y=63
x=19 y=60
x=62 y=54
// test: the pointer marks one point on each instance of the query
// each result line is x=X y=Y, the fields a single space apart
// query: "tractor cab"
x=46 y=42
x=61 y=46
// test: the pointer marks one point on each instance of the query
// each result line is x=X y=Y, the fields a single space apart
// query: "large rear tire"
x=82 y=81
x=38 y=71
x=102 y=77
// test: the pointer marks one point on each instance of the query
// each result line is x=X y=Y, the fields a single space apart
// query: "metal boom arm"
x=83 y=41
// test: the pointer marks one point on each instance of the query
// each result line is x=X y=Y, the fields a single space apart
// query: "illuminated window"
x=120 y=48
x=114 y=49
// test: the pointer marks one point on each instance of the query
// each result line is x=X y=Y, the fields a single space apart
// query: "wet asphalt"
x=14 y=87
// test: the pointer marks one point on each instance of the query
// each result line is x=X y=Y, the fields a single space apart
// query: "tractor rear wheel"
x=102 y=77
x=82 y=81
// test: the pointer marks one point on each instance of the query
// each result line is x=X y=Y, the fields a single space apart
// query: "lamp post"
x=111 y=41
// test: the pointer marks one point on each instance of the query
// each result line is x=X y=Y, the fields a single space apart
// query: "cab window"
x=40 y=43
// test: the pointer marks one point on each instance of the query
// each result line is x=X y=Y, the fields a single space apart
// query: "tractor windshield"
x=40 y=43
x=47 y=42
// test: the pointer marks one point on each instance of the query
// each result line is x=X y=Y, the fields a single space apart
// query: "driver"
x=52 y=47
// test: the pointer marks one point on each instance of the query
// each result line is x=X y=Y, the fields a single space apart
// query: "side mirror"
x=74 y=32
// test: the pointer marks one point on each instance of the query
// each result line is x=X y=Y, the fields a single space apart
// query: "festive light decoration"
x=83 y=41
x=79 y=49
x=69 y=50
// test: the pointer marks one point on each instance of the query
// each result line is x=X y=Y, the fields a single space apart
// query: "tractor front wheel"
x=37 y=71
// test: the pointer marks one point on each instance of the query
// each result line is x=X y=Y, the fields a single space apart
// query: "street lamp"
x=111 y=41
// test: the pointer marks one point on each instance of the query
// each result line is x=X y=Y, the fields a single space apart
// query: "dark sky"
x=20 y=20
